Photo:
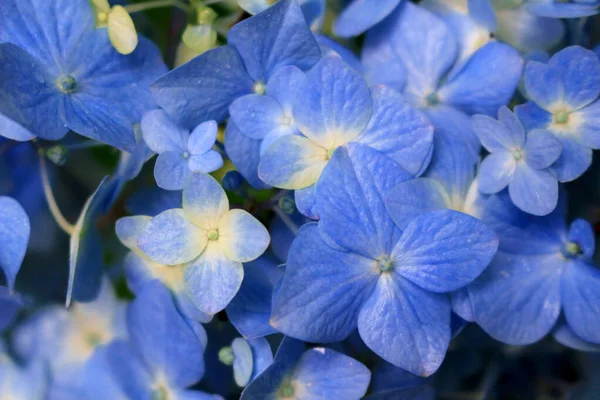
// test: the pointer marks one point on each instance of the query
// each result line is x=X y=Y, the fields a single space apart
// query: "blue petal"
x=327 y=309
x=565 y=336
x=451 y=126
x=163 y=337
x=171 y=239
x=337 y=105
x=522 y=233
x=426 y=58
x=361 y=15
x=171 y=171
x=406 y=325
x=496 y=172
x=306 y=202
x=506 y=133
x=250 y=309
x=245 y=154
x=283 y=234
x=29 y=95
x=574 y=160
x=285 y=85
x=398 y=131
x=212 y=279
x=534 y=191
x=256 y=115
x=551 y=9
x=242 y=362
x=195 y=395
x=161 y=133
x=486 y=82
x=204 y=201
x=274 y=38
x=590 y=126
x=544 y=84
x=582 y=233
x=541 y=149
x=262 y=354
x=532 y=116
x=98 y=379
x=483 y=13
x=129 y=229
x=414 y=197
x=13 y=130
x=205 y=163
x=326 y=374
x=580 y=71
x=462 y=305
x=242 y=237
x=528 y=32
x=330 y=47
x=580 y=292
x=517 y=298
x=14 y=236
x=444 y=250
x=380 y=63
x=350 y=200
x=203 y=88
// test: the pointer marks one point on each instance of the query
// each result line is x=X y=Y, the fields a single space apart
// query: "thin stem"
x=286 y=220
x=54 y=210
x=133 y=8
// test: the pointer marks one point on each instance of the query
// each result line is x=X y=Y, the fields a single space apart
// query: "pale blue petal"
x=496 y=135
x=574 y=160
x=306 y=202
x=256 y=115
x=204 y=201
x=326 y=310
x=13 y=130
x=330 y=47
x=399 y=131
x=161 y=134
x=544 y=84
x=262 y=355
x=245 y=154
x=380 y=62
x=496 y=172
x=242 y=362
x=285 y=85
x=361 y=15
x=253 y=6
x=462 y=305
x=163 y=338
x=565 y=336
x=451 y=126
x=212 y=279
x=205 y=163
x=129 y=229
x=541 y=149
x=203 y=88
x=277 y=37
x=581 y=299
x=528 y=32
x=552 y=9
x=14 y=236
x=99 y=381
x=483 y=13
x=242 y=237
x=534 y=191
x=414 y=197
x=517 y=298
x=337 y=104
x=532 y=116
x=590 y=127
x=171 y=170
x=486 y=82
x=580 y=71
x=444 y=250
x=275 y=134
x=29 y=95
x=582 y=233
x=127 y=369
x=350 y=200
x=322 y=373
x=171 y=239
x=406 y=325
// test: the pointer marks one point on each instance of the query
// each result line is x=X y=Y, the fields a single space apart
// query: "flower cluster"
x=346 y=197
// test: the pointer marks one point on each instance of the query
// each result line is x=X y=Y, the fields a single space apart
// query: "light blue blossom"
x=19 y=382
x=249 y=358
x=385 y=281
x=518 y=161
x=14 y=236
x=180 y=153
x=58 y=73
x=209 y=239
x=564 y=100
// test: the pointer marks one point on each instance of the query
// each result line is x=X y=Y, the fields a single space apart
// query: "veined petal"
x=129 y=229
x=544 y=84
x=581 y=299
x=541 y=149
x=207 y=162
x=204 y=201
x=574 y=160
x=534 y=191
x=161 y=133
x=497 y=135
x=242 y=237
x=361 y=15
x=496 y=172
x=14 y=236
x=171 y=171
x=256 y=115
x=582 y=233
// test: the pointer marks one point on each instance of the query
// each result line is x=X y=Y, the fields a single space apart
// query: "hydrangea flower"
x=59 y=73
x=561 y=9
x=389 y=283
x=564 y=100
x=361 y=15
x=180 y=153
x=422 y=67
x=204 y=88
x=19 y=382
x=249 y=358
x=337 y=108
x=211 y=240
x=309 y=374
x=313 y=10
x=544 y=268
x=161 y=359
x=14 y=236
x=518 y=161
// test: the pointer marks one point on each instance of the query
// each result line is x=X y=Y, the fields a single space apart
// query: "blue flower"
x=14 y=236
x=209 y=239
x=544 y=268
x=564 y=96
x=562 y=9
x=249 y=358
x=309 y=374
x=204 y=88
x=58 y=73
x=518 y=161
x=18 y=382
x=356 y=268
x=337 y=108
x=361 y=15
x=180 y=153
x=423 y=68
x=313 y=10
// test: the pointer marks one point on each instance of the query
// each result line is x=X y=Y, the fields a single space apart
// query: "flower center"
x=286 y=121
x=571 y=250
x=259 y=87
x=385 y=264
x=517 y=154
x=432 y=99
x=66 y=83
x=213 y=234
x=561 y=117
x=286 y=389
x=330 y=153
x=160 y=393
x=226 y=355
x=186 y=154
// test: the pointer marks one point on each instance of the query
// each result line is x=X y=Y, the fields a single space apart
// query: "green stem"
x=133 y=8
x=52 y=205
